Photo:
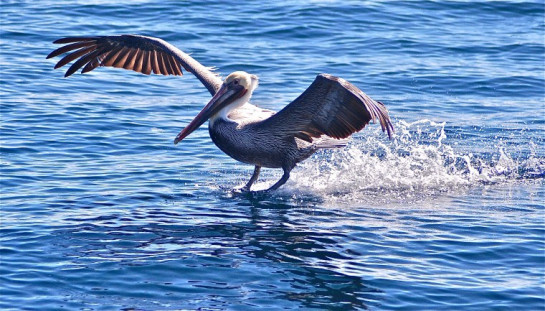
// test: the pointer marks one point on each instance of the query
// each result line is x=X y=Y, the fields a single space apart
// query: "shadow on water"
x=244 y=252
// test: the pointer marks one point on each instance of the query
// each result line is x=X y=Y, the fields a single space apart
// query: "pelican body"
x=329 y=111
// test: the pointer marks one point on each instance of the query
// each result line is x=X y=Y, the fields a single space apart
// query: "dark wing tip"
x=387 y=126
x=74 y=39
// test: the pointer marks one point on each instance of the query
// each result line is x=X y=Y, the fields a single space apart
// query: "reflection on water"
x=316 y=280
x=265 y=249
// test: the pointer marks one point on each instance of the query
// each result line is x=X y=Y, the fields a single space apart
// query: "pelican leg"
x=252 y=180
x=282 y=180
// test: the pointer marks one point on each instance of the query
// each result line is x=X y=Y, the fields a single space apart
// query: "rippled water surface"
x=100 y=211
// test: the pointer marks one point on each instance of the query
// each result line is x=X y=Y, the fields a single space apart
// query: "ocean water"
x=100 y=211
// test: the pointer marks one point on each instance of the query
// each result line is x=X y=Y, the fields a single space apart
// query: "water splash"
x=419 y=162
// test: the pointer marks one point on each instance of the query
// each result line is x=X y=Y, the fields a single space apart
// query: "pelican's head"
x=235 y=91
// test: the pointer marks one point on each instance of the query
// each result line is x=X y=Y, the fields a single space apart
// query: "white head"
x=235 y=91
x=238 y=78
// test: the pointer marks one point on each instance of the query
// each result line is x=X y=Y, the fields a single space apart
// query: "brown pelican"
x=323 y=116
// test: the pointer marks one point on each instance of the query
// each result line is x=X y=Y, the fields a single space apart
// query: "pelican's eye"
x=235 y=82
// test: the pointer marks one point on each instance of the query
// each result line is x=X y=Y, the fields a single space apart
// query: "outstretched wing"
x=138 y=53
x=330 y=106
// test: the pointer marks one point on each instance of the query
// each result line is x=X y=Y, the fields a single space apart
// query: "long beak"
x=224 y=96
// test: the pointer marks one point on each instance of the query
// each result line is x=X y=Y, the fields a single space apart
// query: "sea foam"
x=418 y=162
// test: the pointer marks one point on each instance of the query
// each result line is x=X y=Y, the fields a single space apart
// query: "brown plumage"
x=330 y=106
x=139 y=53
x=330 y=110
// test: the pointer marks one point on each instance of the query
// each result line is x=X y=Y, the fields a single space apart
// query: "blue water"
x=100 y=211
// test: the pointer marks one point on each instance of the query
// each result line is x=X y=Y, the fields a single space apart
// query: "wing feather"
x=70 y=47
x=121 y=58
x=138 y=53
x=131 y=59
x=330 y=106
x=175 y=65
x=139 y=60
x=154 y=63
x=73 y=39
x=91 y=65
x=166 y=63
x=146 y=67
x=70 y=57
x=89 y=57
x=112 y=56
x=161 y=64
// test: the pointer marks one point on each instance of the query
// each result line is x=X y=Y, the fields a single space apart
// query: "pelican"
x=323 y=116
